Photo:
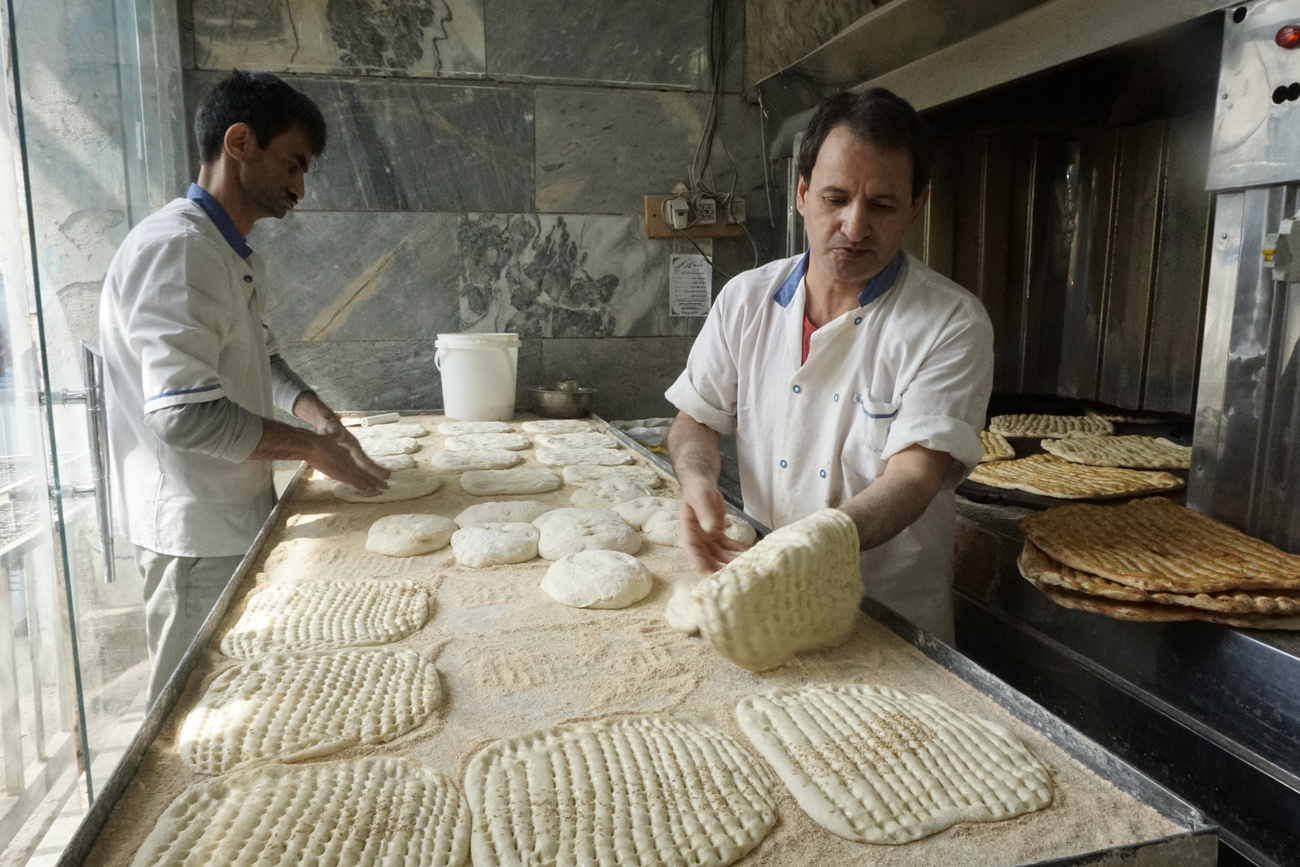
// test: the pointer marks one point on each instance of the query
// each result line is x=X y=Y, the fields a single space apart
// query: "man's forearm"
x=311 y=409
x=693 y=450
x=900 y=496
x=283 y=442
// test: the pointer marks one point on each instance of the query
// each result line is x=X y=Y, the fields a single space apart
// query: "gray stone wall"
x=485 y=171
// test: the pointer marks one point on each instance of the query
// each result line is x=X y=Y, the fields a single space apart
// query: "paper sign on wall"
x=690 y=285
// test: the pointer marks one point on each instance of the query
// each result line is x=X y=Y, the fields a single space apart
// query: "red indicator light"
x=1288 y=36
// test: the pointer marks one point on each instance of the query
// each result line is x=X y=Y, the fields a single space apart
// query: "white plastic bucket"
x=478 y=375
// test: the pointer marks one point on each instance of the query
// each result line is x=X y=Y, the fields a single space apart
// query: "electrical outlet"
x=736 y=210
x=679 y=213
x=706 y=211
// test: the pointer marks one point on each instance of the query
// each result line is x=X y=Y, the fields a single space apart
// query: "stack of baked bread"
x=1152 y=559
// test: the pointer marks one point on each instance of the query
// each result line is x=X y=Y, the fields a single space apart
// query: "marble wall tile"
x=415 y=146
x=630 y=374
x=374 y=37
x=601 y=150
x=653 y=42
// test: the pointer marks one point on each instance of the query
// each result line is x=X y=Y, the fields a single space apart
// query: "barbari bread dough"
x=502 y=512
x=664 y=528
x=878 y=766
x=478 y=442
x=556 y=426
x=795 y=590
x=637 y=512
x=567 y=531
x=378 y=447
x=588 y=440
x=377 y=812
x=322 y=615
x=494 y=544
x=523 y=480
x=394 y=462
x=408 y=535
x=607 y=493
x=407 y=429
x=460 y=428
x=579 y=475
x=484 y=459
x=402 y=485
x=294 y=706
x=633 y=791
x=568 y=457
x=597 y=579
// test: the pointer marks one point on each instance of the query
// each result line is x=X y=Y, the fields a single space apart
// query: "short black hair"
x=876 y=115
x=261 y=100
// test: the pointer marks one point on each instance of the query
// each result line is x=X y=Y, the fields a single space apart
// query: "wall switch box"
x=657 y=226
x=736 y=210
x=706 y=211
x=678 y=213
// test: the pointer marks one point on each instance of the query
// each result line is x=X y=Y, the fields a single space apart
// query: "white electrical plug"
x=736 y=210
x=678 y=213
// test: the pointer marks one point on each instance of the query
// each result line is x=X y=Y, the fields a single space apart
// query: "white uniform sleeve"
x=706 y=389
x=179 y=316
x=944 y=405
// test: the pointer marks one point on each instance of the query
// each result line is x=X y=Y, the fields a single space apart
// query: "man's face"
x=273 y=177
x=857 y=206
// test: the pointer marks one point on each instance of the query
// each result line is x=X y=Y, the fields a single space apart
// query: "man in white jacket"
x=853 y=376
x=192 y=371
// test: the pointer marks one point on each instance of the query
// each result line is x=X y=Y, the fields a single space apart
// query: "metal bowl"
x=561 y=399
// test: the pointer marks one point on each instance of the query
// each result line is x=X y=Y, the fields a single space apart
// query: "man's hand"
x=336 y=459
x=703 y=517
x=332 y=449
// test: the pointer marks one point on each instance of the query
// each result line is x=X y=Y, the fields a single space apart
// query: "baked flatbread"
x=1053 y=426
x=1156 y=545
x=1152 y=612
x=996 y=447
x=1050 y=476
x=1139 y=452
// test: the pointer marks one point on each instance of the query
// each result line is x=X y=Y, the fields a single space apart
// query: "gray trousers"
x=179 y=592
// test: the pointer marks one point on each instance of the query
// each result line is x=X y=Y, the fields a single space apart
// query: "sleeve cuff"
x=682 y=394
x=179 y=396
x=941 y=433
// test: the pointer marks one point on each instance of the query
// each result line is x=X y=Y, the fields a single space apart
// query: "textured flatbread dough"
x=607 y=493
x=1053 y=426
x=597 y=579
x=379 y=447
x=494 y=544
x=483 y=459
x=996 y=447
x=394 y=462
x=665 y=528
x=579 y=475
x=460 y=428
x=637 y=512
x=634 y=791
x=1148 y=453
x=402 y=485
x=567 y=531
x=401 y=429
x=377 y=811
x=408 y=535
x=569 y=457
x=522 y=480
x=588 y=440
x=502 y=512
x=326 y=615
x=556 y=426
x=1050 y=476
x=797 y=589
x=294 y=706
x=478 y=442
x=876 y=765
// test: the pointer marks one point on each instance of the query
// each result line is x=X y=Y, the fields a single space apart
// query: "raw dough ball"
x=483 y=459
x=607 y=493
x=494 y=544
x=637 y=512
x=457 y=428
x=478 y=442
x=502 y=512
x=408 y=535
x=567 y=457
x=681 y=612
x=523 y=480
x=664 y=528
x=408 y=429
x=588 y=440
x=584 y=474
x=556 y=426
x=394 y=462
x=402 y=485
x=597 y=579
x=567 y=531
x=378 y=447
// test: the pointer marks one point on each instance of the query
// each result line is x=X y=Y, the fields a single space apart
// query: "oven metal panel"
x=1176 y=315
x=1256 y=134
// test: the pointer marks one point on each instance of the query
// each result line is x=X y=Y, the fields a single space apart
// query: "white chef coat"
x=181 y=321
x=912 y=365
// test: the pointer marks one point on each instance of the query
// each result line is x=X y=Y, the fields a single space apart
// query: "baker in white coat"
x=853 y=376
x=191 y=370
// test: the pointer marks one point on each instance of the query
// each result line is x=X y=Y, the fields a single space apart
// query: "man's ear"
x=801 y=194
x=239 y=141
x=919 y=201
